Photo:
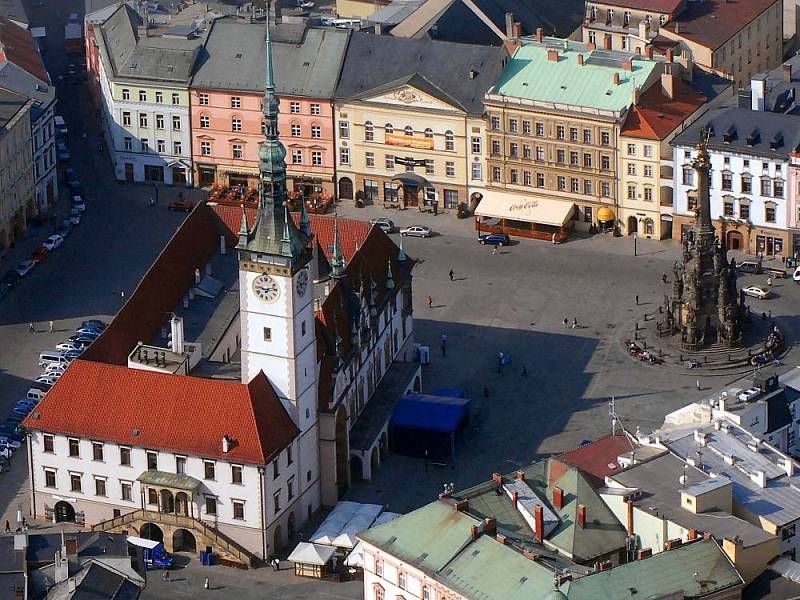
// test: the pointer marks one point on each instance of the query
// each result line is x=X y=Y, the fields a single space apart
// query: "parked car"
x=39 y=254
x=25 y=267
x=61 y=126
x=85 y=339
x=53 y=242
x=23 y=411
x=10 y=443
x=78 y=203
x=67 y=346
x=495 y=239
x=748 y=266
x=71 y=355
x=63 y=152
x=755 y=291
x=46 y=379
x=95 y=324
x=25 y=403
x=183 y=205
x=387 y=225
x=71 y=175
x=417 y=231
x=75 y=217
x=65 y=228
x=87 y=332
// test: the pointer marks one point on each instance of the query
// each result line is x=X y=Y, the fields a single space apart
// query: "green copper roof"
x=532 y=76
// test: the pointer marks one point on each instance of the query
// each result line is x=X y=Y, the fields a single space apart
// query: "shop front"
x=517 y=215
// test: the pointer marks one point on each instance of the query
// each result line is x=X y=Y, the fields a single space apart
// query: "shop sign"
x=408 y=141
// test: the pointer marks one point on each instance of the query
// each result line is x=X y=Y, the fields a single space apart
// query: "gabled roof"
x=415 y=80
x=656 y=115
x=18 y=80
x=598 y=458
x=373 y=60
x=171 y=412
x=17 y=46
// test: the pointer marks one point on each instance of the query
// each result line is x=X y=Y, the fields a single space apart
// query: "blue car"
x=23 y=411
x=495 y=239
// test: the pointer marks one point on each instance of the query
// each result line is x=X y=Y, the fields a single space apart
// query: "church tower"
x=276 y=299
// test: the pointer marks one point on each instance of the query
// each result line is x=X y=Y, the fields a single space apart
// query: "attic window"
x=729 y=135
x=752 y=138
x=776 y=142
x=239 y=55
x=306 y=64
x=136 y=431
x=133 y=65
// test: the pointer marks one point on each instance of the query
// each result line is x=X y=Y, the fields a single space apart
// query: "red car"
x=39 y=254
x=182 y=204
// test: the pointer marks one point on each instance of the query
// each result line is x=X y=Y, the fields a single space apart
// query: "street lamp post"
x=635 y=235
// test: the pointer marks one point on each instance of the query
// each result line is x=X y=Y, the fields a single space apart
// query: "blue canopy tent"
x=426 y=425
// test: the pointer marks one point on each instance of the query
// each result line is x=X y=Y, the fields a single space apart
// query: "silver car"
x=417 y=231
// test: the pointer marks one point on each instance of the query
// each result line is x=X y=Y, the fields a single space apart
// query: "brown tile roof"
x=161 y=289
x=656 y=115
x=17 y=46
x=711 y=23
x=171 y=412
x=595 y=458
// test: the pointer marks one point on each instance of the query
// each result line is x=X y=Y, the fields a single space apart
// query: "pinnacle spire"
x=401 y=256
x=389 y=278
x=305 y=224
x=244 y=229
x=337 y=260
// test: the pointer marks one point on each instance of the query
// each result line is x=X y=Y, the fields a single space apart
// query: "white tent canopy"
x=312 y=554
x=363 y=519
x=343 y=523
x=356 y=557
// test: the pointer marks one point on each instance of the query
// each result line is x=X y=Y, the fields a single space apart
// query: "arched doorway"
x=342 y=452
x=633 y=225
x=356 y=468
x=65 y=512
x=345 y=188
x=735 y=240
x=151 y=531
x=167 y=502
x=183 y=541
x=290 y=526
x=182 y=504
x=277 y=540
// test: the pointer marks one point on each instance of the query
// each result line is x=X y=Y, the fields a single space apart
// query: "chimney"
x=630 y=517
x=539 y=35
x=648 y=52
x=539 y=522
x=497 y=478
x=643 y=30
x=519 y=475
x=501 y=538
x=509 y=25
x=580 y=59
x=677 y=27
x=638 y=50
x=71 y=551
x=474 y=532
x=490 y=526
x=378 y=29
x=615 y=79
x=700 y=438
x=672 y=544
x=644 y=553
x=558 y=497
x=529 y=554
x=552 y=55
x=517 y=30
x=581 y=516
x=692 y=534
x=668 y=85
x=627 y=65
x=760 y=478
x=461 y=505
x=177 y=334
x=604 y=566
x=787 y=72
x=515 y=498
x=788 y=466
x=758 y=91
x=591 y=46
x=670 y=55
x=226 y=444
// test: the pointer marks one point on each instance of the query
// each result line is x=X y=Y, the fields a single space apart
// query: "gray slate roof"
x=373 y=61
x=19 y=81
x=742 y=123
x=234 y=57
x=14 y=10
x=10 y=104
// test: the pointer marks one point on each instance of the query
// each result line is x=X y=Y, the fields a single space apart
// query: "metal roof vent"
x=135 y=432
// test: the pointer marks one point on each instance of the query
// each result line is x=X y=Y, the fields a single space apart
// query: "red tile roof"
x=595 y=458
x=711 y=23
x=656 y=115
x=172 y=412
x=352 y=233
x=17 y=46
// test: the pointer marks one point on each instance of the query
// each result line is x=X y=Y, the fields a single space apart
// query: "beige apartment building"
x=17 y=181
x=627 y=25
x=554 y=123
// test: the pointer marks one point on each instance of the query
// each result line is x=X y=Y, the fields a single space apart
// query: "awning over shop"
x=411 y=179
x=524 y=208
x=605 y=214
x=430 y=413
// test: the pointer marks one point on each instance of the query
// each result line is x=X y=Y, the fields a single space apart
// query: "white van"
x=49 y=358
x=35 y=394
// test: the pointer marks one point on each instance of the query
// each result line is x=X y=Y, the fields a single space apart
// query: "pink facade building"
x=793 y=204
x=225 y=99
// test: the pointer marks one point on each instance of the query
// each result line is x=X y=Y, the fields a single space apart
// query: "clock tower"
x=276 y=299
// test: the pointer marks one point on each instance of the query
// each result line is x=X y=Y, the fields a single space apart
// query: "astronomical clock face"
x=266 y=288
x=302 y=283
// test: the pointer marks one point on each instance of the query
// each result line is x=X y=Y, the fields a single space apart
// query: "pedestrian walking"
x=122 y=296
x=452 y=275
x=637 y=299
x=554 y=239
x=31 y=328
x=664 y=277
x=574 y=323
x=430 y=302
x=524 y=371
x=8 y=526
x=51 y=329
x=165 y=575
x=566 y=322
x=769 y=281
x=500 y=363
x=444 y=345
x=494 y=250
x=698 y=384
x=276 y=564
x=206 y=584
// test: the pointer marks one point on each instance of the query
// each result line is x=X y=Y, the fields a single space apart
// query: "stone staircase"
x=205 y=535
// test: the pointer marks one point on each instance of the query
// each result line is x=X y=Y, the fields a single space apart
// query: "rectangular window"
x=205 y=121
x=126 y=94
x=205 y=148
x=344 y=156
x=512 y=125
x=289 y=456
x=99 y=487
x=238 y=510
x=370 y=159
x=588 y=187
x=495 y=173
x=777 y=189
x=176 y=98
x=276 y=502
x=152 y=496
x=540 y=153
x=540 y=180
x=587 y=160
x=316 y=158
x=513 y=176
x=574 y=185
x=49 y=478
x=48 y=443
x=426 y=593
x=648 y=194
x=267 y=334
x=176 y=123
x=631 y=192
x=573 y=159
x=648 y=170
x=605 y=189
x=389 y=162
x=237 y=151
x=236 y=124
x=429 y=168
x=275 y=469
x=180 y=465
x=526 y=178
x=631 y=168
x=526 y=151
x=125 y=456
x=74 y=448
x=513 y=149
x=573 y=134
x=648 y=151
x=177 y=148
x=766 y=187
x=294 y=108
x=587 y=214
x=769 y=214
x=402 y=582
x=605 y=163
x=297 y=157
x=126 y=119
x=316 y=132
x=747 y=184
x=142 y=96
x=605 y=138
x=727 y=181
x=152 y=460
x=560 y=157
x=495 y=146
x=161 y=146
x=143 y=120
x=236 y=102
x=727 y=208
x=560 y=132
x=344 y=129
x=74 y=482
x=203 y=99
x=587 y=136
x=562 y=183
x=477 y=171
x=495 y=123
x=97 y=451
x=145 y=143
x=526 y=127
x=631 y=150
x=159 y=121
x=126 y=491
x=211 y=505
x=688 y=176
x=378 y=567
x=540 y=129
x=316 y=109
x=236 y=474
x=290 y=489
